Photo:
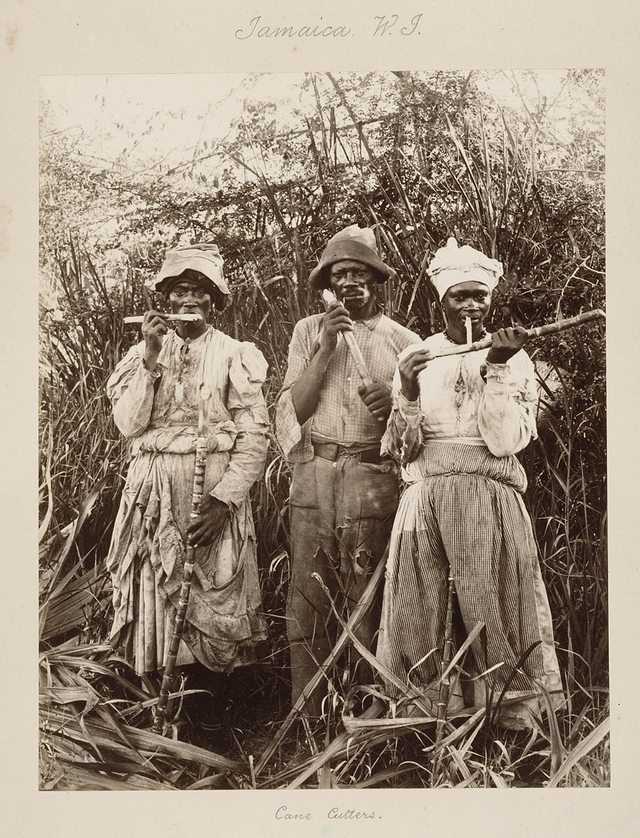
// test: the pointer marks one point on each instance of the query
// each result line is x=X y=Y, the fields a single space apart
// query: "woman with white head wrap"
x=457 y=423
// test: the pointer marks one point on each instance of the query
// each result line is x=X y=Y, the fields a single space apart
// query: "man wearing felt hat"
x=329 y=424
x=157 y=392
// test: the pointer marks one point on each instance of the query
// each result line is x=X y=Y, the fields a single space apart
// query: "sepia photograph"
x=322 y=431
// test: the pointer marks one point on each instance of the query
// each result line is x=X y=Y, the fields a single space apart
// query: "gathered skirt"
x=224 y=620
x=464 y=515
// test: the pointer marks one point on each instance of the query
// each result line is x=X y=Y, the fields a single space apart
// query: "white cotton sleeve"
x=131 y=390
x=506 y=413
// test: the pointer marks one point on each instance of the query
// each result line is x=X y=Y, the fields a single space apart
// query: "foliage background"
x=269 y=169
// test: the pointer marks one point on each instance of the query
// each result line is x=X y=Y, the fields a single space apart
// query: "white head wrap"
x=452 y=265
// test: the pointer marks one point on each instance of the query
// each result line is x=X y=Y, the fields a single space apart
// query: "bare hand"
x=154 y=327
x=209 y=523
x=410 y=368
x=377 y=398
x=335 y=320
x=505 y=344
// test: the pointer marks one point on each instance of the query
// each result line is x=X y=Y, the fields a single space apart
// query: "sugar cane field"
x=269 y=168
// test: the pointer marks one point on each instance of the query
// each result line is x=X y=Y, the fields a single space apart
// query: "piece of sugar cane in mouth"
x=185 y=318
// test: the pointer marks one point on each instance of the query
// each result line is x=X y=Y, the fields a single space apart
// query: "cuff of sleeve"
x=409 y=410
x=406 y=406
x=153 y=375
x=497 y=372
x=221 y=496
x=289 y=433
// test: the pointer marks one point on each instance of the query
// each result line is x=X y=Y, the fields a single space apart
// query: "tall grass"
x=417 y=177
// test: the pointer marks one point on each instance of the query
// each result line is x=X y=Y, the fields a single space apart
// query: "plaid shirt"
x=340 y=416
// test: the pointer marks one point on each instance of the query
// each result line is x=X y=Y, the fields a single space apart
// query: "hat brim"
x=177 y=263
x=218 y=297
x=348 y=249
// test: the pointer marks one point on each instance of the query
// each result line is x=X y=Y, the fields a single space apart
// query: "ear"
x=218 y=302
x=325 y=278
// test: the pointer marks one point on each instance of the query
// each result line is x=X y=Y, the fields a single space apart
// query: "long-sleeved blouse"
x=464 y=399
x=158 y=410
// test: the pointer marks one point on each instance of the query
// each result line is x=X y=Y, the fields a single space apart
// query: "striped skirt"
x=464 y=514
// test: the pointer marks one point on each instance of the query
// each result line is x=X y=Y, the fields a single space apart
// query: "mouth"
x=194 y=314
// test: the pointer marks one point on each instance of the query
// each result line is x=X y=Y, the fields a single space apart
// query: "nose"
x=351 y=282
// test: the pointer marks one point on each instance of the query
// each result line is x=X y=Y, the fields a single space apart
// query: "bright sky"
x=190 y=107
x=183 y=109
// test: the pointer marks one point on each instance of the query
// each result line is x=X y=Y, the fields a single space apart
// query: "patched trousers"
x=341 y=515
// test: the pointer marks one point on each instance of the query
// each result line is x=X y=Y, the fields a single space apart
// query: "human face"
x=354 y=284
x=466 y=299
x=190 y=298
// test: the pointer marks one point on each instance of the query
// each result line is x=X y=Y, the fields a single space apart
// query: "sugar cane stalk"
x=177 y=318
x=187 y=570
x=445 y=680
x=538 y=331
x=329 y=297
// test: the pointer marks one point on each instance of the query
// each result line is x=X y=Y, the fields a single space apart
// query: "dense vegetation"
x=419 y=157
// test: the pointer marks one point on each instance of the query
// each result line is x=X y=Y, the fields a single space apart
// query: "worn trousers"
x=341 y=514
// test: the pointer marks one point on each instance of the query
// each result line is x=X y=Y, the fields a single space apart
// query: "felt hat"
x=354 y=242
x=452 y=265
x=205 y=259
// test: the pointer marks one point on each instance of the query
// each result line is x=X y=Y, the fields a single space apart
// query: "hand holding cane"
x=416 y=357
x=374 y=400
x=329 y=297
x=538 y=331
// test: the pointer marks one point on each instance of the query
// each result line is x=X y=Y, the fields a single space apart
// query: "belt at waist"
x=332 y=451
